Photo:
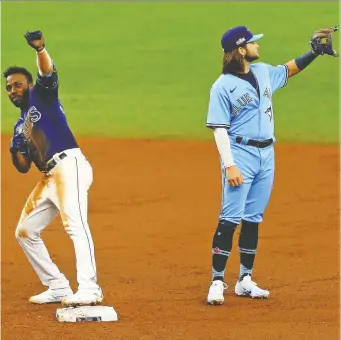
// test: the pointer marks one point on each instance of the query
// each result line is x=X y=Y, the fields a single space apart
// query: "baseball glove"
x=319 y=47
x=35 y=40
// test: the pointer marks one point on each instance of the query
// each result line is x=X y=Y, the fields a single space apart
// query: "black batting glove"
x=18 y=144
x=35 y=40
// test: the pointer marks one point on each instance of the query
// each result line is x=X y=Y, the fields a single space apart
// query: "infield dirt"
x=153 y=211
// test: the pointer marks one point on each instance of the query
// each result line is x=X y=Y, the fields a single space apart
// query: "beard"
x=23 y=101
x=250 y=59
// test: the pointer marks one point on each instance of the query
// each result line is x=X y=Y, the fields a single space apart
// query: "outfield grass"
x=145 y=69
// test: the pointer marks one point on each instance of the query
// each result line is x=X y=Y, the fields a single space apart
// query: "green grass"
x=145 y=69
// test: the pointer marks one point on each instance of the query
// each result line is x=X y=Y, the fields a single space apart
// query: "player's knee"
x=230 y=218
x=22 y=233
x=232 y=214
x=253 y=218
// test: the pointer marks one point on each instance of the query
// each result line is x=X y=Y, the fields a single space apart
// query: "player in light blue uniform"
x=241 y=116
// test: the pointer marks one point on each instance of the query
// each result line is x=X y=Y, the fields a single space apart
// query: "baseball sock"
x=248 y=240
x=221 y=248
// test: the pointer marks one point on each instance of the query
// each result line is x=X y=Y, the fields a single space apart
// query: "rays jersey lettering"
x=235 y=104
x=19 y=127
x=27 y=128
x=33 y=114
x=44 y=124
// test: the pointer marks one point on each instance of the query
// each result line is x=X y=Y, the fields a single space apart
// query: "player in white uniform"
x=42 y=136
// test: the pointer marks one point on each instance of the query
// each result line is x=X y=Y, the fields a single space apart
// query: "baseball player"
x=241 y=116
x=42 y=136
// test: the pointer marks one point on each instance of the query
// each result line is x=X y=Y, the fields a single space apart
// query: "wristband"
x=303 y=61
x=40 y=49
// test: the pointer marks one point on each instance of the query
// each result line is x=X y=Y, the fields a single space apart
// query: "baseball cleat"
x=216 y=293
x=51 y=296
x=246 y=287
x=83 y=298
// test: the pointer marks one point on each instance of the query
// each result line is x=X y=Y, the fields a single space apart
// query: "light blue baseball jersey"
x=235 y=104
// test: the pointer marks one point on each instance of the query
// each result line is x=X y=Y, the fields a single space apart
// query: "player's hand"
x=35 y=40
x=320 y=48
x=18 y=145
x=234 y=176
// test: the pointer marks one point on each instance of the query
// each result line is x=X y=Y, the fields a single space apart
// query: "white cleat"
x=216 y=293
x=248 y=288
x=51 y=296
x=84 y=298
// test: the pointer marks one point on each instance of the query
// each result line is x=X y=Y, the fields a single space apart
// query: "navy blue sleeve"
x=18 y=127
x=48 y=84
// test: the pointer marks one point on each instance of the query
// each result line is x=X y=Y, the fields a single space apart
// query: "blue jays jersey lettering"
x=236 y=104
x=241 y=115
x=44 y=124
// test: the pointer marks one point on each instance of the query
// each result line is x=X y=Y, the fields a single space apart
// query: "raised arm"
x=36 y=41
x=47 y=77
x=317 y=48
x=44 y=63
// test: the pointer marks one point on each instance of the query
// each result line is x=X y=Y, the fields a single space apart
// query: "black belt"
x=258 y=143
x=52 y=163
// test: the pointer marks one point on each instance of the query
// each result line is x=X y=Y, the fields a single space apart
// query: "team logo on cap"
x=240 y=41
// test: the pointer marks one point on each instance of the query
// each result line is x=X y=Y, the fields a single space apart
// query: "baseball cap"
x=237 y=36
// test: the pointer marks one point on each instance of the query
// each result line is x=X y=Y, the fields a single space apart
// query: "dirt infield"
x=153 y=211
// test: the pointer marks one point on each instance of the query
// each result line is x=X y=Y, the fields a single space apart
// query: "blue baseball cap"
x=237 y=36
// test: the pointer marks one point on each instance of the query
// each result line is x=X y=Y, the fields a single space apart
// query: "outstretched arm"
x=317 y=48
x=297 y=65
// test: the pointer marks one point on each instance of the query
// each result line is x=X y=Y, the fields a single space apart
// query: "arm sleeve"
x=223 y=144
x=48 y=82
x=219 y=112
x=278 y=76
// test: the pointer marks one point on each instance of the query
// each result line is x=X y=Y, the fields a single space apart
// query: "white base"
x=86 y=313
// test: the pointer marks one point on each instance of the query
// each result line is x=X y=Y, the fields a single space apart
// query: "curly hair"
x=16 y=69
